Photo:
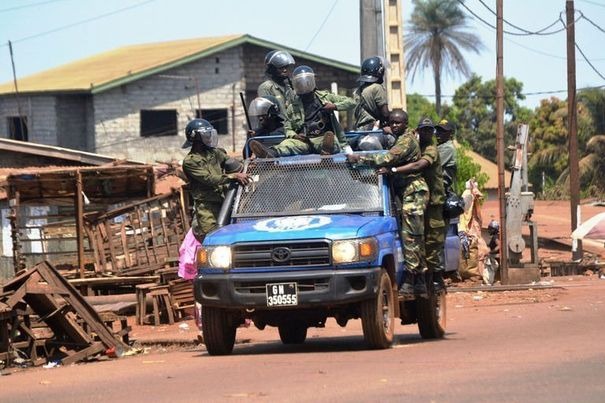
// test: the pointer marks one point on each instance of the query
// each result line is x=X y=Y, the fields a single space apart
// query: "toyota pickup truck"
x=311 y=238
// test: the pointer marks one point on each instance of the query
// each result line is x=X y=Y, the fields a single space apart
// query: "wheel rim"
x=386 y=310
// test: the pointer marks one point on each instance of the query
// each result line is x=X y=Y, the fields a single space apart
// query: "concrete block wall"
x=117 y=111
x=41 y=116
x=72 y=121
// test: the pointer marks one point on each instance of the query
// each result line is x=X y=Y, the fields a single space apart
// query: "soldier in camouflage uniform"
x=278 y=65
x=429 y=165
x=413 y=191
x=311 y=127
x=203 y=167
x=447 y=152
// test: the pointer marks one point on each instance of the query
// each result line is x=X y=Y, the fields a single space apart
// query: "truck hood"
x=302 y=227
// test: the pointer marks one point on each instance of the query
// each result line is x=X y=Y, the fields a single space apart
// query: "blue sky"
x=48 y=33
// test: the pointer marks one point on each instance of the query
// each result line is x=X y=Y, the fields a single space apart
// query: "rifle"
x=241 y=95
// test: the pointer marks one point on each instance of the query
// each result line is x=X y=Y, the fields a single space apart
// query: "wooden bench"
x=161 y=303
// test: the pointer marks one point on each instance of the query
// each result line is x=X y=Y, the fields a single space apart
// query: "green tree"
x=474 y=112
x=594 y=100
x=435 y=38
x=548 y=140
x=467 y=169
x=420 y=107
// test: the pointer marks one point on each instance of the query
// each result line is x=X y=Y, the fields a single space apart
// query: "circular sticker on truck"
x=299 y=223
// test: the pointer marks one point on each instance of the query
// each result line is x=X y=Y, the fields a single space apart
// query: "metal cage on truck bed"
x=309 y=184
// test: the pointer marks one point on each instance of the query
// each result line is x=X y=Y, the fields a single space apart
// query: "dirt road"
x=539 y=346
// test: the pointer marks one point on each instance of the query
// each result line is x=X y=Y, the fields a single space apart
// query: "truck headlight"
x=216 y=257
x=354 y=250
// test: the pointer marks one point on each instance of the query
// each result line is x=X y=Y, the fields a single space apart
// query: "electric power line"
x=591 y=22
x=81 y=22
x=528 y=93
x=321 y=25
x=28 y=5
x=526 y=32
x=589 y=63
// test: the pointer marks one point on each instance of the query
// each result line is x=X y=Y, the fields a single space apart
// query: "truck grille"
x=260 y=287
x=282 y=254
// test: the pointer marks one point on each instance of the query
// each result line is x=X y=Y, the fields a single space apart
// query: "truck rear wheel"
x=219 y=330
x=377 y=315
x=292 y=333
x=432 y=313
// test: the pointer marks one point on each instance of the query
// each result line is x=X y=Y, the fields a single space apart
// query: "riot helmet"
x=493 y=227
x=233 y=166
x=276 y=60
x=303 y=80
x=263 y=107
x=372 y=70
x=370 y=142
x=200 y=131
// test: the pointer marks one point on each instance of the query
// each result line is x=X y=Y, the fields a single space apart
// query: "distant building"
x=134 y=102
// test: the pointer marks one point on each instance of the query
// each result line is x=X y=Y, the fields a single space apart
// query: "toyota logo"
x=280 y=254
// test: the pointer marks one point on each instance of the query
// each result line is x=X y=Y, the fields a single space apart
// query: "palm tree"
x=435 y=37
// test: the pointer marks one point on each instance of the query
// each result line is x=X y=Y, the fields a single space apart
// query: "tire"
x=219 y=331
x=292 y=333
x=432 y=313
x=377 y=315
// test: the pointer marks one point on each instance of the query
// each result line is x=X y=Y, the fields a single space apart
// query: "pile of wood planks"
x=73 y=330
x=139 y=238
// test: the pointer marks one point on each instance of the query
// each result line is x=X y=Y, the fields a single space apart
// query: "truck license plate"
x=282 y=294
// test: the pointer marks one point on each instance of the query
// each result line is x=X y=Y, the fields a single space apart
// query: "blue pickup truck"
x=312 y=238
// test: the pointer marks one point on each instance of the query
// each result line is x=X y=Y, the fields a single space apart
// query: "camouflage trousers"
x=434 y=234
x=296 y=147
x=204 y=218
x=414 y=201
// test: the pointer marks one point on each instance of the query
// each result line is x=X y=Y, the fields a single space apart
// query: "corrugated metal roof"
x=126 y=64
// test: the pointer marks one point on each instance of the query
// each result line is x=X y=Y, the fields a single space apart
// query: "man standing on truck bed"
x=278 y=66
x=311 y=127
x=203 y=166
x=429 y=166
x=414 y=194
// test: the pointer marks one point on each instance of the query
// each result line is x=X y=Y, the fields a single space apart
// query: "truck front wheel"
x=377 y=315
x=219 y=330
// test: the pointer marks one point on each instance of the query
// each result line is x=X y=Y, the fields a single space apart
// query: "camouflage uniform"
x=370 y=101
x=447 y=154
x=283 y=93
x=295 y=122
x=434 y=225
x=414 y=194
x=206 y=183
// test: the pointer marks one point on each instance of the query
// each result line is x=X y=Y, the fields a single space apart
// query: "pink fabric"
x=187 y=269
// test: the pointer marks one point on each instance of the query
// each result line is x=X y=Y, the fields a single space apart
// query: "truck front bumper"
x=323 y=288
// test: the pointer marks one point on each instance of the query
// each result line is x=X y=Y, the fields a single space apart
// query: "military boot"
x=407 y=288
x=438 y=282
x=260 y=150
x=327 y=144
x=420 y=289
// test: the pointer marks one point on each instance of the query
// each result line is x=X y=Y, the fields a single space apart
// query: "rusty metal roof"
x=120 y=66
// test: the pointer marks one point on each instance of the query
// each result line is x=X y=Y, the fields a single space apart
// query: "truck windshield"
x=308 y=184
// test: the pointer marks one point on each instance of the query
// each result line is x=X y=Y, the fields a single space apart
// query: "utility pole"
x=500 y=140
x=21 y=119
x=371 y=37
x=572 y=122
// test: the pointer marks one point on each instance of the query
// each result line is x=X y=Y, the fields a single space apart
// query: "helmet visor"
x=303 y=83
x=208 y=136
x=281 y=59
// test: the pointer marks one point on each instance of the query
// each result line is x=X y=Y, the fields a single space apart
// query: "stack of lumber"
x=74 y=330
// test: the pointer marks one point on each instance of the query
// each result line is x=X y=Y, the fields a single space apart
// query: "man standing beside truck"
x=413 y=193
x=204 y=166
x=429 y=166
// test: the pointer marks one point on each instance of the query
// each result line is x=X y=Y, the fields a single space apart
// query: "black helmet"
x=453 y=206
x=276 y=59
x=200 y=131
x=303 y=80
x=493 y=227
x=372 y=70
